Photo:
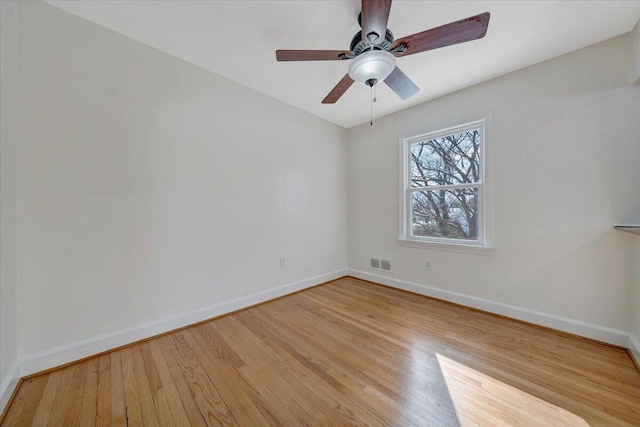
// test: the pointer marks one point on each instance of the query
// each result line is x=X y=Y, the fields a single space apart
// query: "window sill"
x=450 y=247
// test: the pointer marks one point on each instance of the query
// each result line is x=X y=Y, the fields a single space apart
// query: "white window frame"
x=484 y=244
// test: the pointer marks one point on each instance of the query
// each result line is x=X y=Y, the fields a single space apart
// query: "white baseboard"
x=577 y=327
x=8 y=385
x=60 y=355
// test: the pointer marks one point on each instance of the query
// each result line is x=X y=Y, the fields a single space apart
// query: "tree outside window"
x=444 y=185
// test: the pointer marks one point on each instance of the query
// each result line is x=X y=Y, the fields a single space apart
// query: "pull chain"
x=371 y=120
x=373 y=99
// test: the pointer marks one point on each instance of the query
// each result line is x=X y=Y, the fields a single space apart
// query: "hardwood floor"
x=345 y=353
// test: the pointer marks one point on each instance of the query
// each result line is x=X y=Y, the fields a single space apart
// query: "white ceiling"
x=238 y=40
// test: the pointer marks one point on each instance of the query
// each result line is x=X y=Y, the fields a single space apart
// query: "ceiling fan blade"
x=465 y=30
x=311 y=55
x=374 y=17
x=339 y=90
x=401 y=84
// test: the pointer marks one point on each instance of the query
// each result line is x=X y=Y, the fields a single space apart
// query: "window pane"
x=451 y=214
x=447 y=160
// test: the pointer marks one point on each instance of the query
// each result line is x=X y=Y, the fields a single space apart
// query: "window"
x=444 y=194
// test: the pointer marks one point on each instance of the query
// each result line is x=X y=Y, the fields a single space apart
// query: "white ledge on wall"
x=450 y=247
x=629 y=228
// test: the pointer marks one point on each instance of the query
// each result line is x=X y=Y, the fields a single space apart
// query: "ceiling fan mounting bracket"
x=359 y=46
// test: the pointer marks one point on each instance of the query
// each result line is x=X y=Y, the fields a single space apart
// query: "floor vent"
x=374 y=263
x=380 y=264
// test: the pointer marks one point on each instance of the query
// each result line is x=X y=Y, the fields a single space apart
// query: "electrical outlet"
x=427 y=265
x=281 y=262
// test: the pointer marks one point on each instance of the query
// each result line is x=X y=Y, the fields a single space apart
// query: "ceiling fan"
x=374 y=50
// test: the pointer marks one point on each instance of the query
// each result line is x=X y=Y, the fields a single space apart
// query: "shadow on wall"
x=592 y=270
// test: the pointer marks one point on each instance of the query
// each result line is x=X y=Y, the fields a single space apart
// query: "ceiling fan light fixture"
x=372 y=67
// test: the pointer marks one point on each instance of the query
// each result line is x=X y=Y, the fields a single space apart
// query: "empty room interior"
x=210 y=217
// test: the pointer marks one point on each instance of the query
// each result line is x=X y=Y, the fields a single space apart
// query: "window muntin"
x=444 y=179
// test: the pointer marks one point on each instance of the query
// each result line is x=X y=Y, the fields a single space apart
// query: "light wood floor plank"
x=302 y=379
x=345 y=353
x=89 y=395
x=118 y=401
x=187 y=399
x=45 y=405
x=64 y=396
x=235 y=376
x=103 y=392
x=212 y=407
x=72 y=415
x=283 y=356
x=413 y=407
x=207 y=350
x=339 y=375
x=26 y=404
x=131 y=390
x=259 y=377
x=162 y=407
x=177 y=409
x=147 y=406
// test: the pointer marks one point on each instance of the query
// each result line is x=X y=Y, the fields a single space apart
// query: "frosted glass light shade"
x=373 y=65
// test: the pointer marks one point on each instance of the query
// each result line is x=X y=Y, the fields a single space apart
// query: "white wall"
x=634 y=77
x=564 y=138
x=149 y=187
x=635 y=322
x=8 y=250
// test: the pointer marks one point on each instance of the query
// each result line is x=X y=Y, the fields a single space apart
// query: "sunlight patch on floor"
x=481 y=400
